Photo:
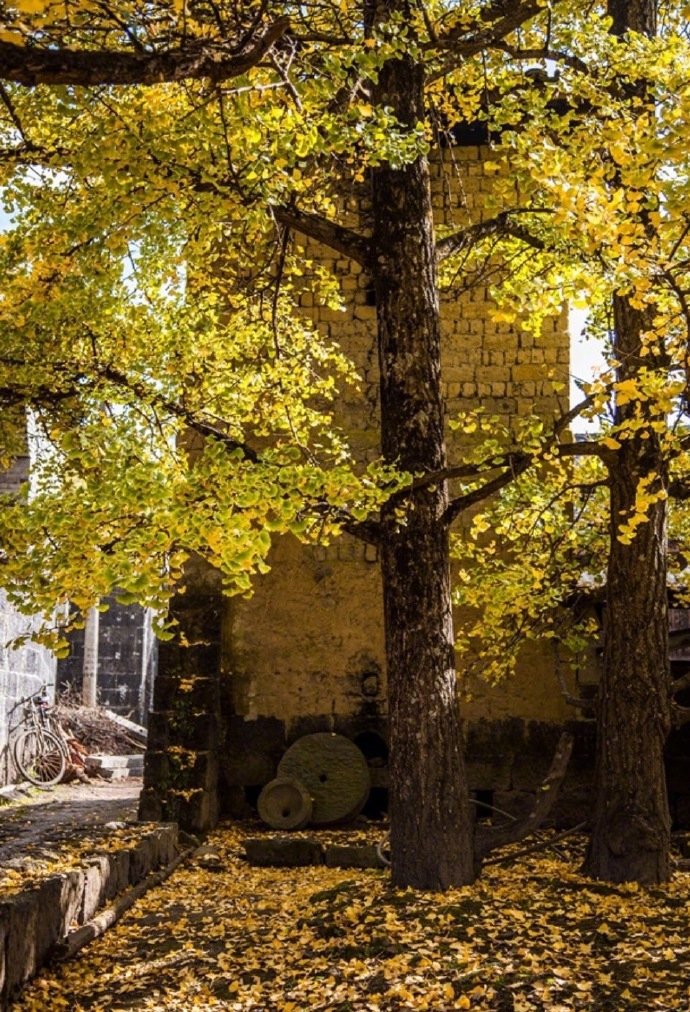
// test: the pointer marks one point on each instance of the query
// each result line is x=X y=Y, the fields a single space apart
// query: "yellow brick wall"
x=312 y=632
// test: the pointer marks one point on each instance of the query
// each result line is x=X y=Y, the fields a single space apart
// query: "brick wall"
x=12 y=478
x=306 y=653
x=313 y=629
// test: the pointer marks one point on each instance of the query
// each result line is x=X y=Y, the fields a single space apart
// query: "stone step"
x=115 y=767
x=113 y=762
x=299 y=851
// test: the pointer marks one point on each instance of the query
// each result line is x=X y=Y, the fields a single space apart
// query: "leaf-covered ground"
x=531 y=935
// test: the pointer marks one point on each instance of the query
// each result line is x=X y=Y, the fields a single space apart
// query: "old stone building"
x=305 y=653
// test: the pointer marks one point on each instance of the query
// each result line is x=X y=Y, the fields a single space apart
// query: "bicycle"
x=40 y=753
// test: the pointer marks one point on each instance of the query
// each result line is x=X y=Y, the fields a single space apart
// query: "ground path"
x=534 y=936
x=49 y=819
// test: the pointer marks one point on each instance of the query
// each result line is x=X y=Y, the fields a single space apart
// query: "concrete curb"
x=34 y=923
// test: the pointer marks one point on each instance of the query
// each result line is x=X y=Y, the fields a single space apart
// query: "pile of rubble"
x=101 y=743
x=99 y=730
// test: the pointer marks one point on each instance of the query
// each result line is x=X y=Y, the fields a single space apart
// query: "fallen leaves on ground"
x=529 y=936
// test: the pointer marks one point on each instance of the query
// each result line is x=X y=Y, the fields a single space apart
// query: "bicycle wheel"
x=39 y=757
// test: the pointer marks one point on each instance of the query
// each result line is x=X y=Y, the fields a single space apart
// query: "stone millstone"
x=334 y=772
x=285 y=803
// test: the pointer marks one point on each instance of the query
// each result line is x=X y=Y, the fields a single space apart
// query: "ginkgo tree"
x=617 y=184
x=156 y=160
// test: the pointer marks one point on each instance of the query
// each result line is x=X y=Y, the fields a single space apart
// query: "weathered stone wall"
x=306 y=651
x=12 y=479
x=23 y=670
x=182 y=755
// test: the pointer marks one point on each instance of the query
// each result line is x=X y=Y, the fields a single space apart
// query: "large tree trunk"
x=631 y=832
x=431 y=834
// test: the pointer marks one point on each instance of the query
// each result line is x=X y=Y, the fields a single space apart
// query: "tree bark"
x=633 y=15
x=631 y=836
x=431 y=834
x=631 y=833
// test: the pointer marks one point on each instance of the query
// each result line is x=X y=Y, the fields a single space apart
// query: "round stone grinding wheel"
x=334 y=772
x=285 y=803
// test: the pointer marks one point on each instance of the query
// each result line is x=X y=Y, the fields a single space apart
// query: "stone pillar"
x=181 y=765
x=89 y=683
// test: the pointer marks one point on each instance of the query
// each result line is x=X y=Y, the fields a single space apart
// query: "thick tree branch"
x=497 y=20
x=540 y=845
x=469 y=499
x=516 y=462
x=510 y=459
x=679 y=489
x=680 y=715
x=680 y=683
x=343 y=240
x=501 y=225
x=15 y=396
x=30 y=65
x=585 y=448
x=368 y=531
x=562 y=423
x=29 y=154
x=14 y=116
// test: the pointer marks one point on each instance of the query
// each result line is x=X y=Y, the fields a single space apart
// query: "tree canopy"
x=159 y=163
x=149 y=279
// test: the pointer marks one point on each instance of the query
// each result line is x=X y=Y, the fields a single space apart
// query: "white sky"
x=586 y=360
